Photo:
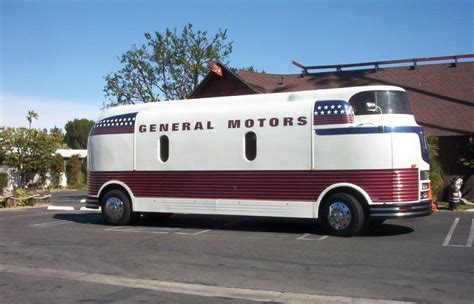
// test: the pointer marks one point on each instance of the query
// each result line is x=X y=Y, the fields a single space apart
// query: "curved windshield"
x=371 y=102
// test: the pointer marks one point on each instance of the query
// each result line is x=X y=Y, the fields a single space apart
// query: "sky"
x=54 y=54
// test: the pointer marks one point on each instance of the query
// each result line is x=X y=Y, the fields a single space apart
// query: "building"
x=440 y=91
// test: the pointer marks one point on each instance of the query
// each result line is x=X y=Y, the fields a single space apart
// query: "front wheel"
x=116 y=208
x=342 y=215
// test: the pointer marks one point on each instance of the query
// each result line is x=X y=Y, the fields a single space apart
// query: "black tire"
x=342 y=215
x=116 y=208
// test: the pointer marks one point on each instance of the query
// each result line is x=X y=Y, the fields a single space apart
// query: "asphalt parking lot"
x=72 y=256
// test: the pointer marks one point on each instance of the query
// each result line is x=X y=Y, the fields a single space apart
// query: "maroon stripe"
x=398 y=185
x=320 y=120
x=112 y=130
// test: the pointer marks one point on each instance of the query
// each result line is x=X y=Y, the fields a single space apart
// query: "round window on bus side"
x=250 y=146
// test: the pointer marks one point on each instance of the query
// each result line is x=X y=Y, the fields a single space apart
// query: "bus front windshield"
x=390 y=102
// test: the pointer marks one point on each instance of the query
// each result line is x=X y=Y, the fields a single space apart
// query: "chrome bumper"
x=401 y=210
x=92 y=202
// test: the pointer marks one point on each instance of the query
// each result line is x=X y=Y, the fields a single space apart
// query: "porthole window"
x=164 y=148
x=250 y=146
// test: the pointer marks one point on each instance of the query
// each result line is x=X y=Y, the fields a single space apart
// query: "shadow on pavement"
x=232 y=223
x=387 y=230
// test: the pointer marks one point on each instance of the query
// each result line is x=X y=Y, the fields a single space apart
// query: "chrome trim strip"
x=401 y=214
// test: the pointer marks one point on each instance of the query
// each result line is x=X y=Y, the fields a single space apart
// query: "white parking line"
x=84 y=218
x=305 y=237
x=145 y=230
x=195 y=233
x=471 y=235
x=451 y=232
x=48 y=224
x=138 y=231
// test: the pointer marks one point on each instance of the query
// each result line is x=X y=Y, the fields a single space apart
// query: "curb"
x=71 y=208
x=61 y=208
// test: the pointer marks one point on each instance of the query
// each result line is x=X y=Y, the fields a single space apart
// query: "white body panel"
x=209 y=144
x=226 y=207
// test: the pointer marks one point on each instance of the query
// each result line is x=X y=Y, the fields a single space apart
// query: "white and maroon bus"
x=348 y=156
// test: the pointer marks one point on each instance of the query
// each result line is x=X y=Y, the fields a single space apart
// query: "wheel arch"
x=360 y=194
x=116 y=185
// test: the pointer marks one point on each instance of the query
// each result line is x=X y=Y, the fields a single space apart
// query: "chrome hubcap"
x=339 y=216
x=114 y=208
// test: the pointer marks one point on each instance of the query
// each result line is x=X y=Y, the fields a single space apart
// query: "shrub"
x=57 y=167
x=84 y=170
x=3 y=180
x=73 y=170
x=436 y=171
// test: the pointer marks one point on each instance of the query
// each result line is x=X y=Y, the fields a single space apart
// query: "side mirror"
x=371 y=107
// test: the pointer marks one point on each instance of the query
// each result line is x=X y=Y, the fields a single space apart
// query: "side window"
x=359 y=102
x=391 y=102
x=250 y=146
x=164 y=148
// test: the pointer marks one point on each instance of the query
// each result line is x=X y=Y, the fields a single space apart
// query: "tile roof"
x=441 y=96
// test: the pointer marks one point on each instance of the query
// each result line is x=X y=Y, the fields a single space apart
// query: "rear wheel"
x=116 y=208
x=342 y=215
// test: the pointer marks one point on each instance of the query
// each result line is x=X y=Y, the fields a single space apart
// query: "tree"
x=169 y=66
x=57 y=167
x=250 y=69
x=73 y=170
x=57 y=133
x=436 y=171
x=27 y=151
x=77 y=131
x=31 y=115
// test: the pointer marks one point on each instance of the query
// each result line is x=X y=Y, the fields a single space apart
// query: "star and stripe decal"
x=118 y=124
x=333 y=112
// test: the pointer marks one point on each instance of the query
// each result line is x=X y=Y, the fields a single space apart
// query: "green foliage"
x=169 y=66
x=57 y=133
x=77 y=132
x=467 y=156
x=73 y=170
x=30 y=116
x=3 y=180
x=21 y=193
x=84 y=170
x=249 y=68
x=27 y=151
x=436 y=171
x=57 y=167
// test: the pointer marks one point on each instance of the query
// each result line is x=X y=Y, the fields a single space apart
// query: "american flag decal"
x=118 y=124
x=333 y=112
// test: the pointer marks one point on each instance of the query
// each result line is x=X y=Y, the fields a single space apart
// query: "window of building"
x=164 y=148
x=250 y=146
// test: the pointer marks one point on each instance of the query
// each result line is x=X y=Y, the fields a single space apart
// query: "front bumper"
x=393 y=211
x=92 y=202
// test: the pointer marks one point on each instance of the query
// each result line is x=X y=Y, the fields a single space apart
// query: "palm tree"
x=31 y=115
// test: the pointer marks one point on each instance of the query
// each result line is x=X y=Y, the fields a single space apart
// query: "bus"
x=349 y=157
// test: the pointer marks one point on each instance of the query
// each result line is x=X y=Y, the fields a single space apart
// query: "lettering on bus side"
x=271 y=122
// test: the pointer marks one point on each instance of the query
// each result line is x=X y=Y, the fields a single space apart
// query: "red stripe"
x=399 y=185
x=321 y=120
x=112 y=130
